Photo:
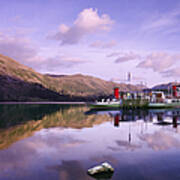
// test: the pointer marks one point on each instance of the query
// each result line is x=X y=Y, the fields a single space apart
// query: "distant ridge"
x=21 y=83
x=55 y=75
x=165 y=86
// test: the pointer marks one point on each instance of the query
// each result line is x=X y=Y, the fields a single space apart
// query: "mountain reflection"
x=21 y=121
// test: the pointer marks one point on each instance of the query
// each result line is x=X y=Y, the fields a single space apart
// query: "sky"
x=102 y=38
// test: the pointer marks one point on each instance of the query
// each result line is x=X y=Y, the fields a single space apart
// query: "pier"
x=134 y=103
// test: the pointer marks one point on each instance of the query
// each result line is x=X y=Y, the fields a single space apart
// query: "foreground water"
x=62 y=142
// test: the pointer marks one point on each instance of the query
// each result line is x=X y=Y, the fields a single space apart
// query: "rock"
x=105 y=170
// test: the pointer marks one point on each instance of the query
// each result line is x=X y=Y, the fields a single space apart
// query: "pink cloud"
x=165 y=140
x=101 y=44
x=162 y=21
x=54 y=63
x=25 y=52
x=175 y=72
x=19 y=48
x=87 y=22
x=124 y=57
x=159 y=61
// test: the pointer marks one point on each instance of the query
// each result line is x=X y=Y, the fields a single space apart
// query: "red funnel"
x=116 y=93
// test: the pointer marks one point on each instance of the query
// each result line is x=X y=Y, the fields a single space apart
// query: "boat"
x=151 y=99
x=168 y=103
x=105 y=104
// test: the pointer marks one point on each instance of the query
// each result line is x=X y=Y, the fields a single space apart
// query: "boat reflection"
x=158 y=116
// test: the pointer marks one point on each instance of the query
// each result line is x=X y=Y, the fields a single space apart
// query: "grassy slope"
x=82 y=85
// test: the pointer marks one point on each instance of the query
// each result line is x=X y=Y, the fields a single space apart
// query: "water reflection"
x=21 y=121
x=159 y=140
x=159 y=117
x=62 y=142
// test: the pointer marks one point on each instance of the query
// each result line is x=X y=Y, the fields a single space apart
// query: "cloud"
x=175 y=72
x=20 y=49
x=87 y=22
x=162 y=21
x=114 y=54
x=54 y=63
x=124 y=57
x=25 y=52
x=103 y=45
x=159 y=61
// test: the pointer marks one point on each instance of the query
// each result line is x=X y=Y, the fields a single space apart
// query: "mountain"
x=21 y=83
x=165 y=86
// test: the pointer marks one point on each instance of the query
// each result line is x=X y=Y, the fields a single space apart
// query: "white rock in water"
x=103 y=168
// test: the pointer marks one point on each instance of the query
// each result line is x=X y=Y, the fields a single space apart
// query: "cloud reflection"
x=71 y=170
x=124 y=145
x=160 y=140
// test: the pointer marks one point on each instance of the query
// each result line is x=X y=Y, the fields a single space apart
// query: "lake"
x=61 y=142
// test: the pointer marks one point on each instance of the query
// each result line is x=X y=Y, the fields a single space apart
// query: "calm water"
x=62 y=142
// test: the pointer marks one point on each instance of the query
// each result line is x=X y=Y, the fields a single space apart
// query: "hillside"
x=82 y=85
x=165 y=86
x=21 y=83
